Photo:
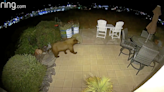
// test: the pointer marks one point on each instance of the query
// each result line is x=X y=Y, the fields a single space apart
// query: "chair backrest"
x=161 y=51
x=124 y=35
x=146 y=55
x=161 y=54
x=145 y=34
x=102 y=24
x=119 y=25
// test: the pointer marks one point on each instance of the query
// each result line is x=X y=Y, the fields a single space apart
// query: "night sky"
x=146 y=6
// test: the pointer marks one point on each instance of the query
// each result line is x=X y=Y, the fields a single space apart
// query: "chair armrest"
x=130 y=43
x=130 y=37
x=136 y=50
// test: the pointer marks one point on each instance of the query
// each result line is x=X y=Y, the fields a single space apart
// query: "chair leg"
x=130 y=63
x=97 y=34
x=105 y=35
x=113 y=33
x=141 y=67
x=110 y=32
x=137 y=72
x=119 y=35
x=130 y=53
x=121 y=51
x=153 y=65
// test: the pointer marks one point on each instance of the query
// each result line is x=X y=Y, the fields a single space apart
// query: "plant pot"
x=69 y=33
x=38 y=52
x=63 y=33
x=75 y=30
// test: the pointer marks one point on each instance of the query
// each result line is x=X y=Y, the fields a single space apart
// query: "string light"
x=70 y=6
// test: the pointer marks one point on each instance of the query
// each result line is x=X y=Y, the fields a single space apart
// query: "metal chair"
x=160 y=57
x=116 y=31
x=101 y=29
x=144 y=57
x=145 y=34
x=126 y=43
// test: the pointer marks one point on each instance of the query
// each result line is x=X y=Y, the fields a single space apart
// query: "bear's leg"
x=56 y=54
x=65 y=52
x=72 y=51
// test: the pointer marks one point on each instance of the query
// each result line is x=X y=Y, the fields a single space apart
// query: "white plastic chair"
x=101 y=29
x=116 y=31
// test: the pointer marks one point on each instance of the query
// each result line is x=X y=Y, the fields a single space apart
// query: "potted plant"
x=97 y=84
x=75 y=27
x=65 y=30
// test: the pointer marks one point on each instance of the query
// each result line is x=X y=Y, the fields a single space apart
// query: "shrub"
x=23 y=73
x=46 y=33
x=96 y=84
x=27 y=42
x=33 y=38
x=65 y=26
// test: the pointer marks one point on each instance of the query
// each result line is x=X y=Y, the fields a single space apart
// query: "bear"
x=63 y=46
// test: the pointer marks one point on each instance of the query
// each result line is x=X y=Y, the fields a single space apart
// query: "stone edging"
x=48 y=60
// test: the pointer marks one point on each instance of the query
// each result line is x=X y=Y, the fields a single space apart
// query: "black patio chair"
x=126 y=43
x=144 y=57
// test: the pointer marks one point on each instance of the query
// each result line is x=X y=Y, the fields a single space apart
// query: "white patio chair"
x=144 y=57
x=101 y=29
x=116 y=31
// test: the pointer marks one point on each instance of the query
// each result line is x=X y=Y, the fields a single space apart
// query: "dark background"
x=141 y=5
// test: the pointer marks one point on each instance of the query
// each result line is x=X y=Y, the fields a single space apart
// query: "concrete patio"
x=99 y=59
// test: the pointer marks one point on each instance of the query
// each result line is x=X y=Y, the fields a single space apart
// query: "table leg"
x=110 y=32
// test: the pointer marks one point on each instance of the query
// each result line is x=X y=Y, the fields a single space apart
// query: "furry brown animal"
x=63 y=46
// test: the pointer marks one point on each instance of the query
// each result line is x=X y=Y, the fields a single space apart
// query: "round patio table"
x=139 y=41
